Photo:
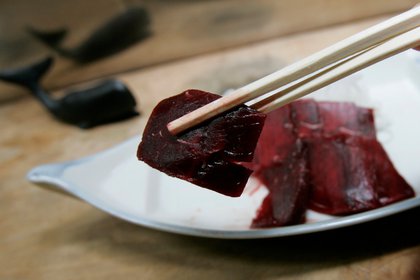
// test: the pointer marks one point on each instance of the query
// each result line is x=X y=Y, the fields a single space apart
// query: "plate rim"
x=49 y=175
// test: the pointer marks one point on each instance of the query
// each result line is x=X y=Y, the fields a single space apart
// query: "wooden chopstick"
x=333 y=54
x=400 y=43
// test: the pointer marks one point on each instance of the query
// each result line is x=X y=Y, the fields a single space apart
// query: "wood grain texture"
x=44 y=235
x=180 y=29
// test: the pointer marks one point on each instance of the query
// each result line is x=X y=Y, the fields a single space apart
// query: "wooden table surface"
x=179 y=29
x=44 y=235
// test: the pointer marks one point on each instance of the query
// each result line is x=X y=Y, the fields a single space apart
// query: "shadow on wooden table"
x=223 y=259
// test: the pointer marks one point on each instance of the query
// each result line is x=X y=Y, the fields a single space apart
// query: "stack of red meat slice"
x=323 y=156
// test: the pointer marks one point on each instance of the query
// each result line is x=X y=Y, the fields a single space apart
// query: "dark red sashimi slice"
x=327 y=119
x=339 y=118
x=342 y=176
x=349 y=171
x=390 y=185
x=280 y=164
x=287 y=182
x=276 y=140
x=368 y=179
x=306 y=119
x=206 y=156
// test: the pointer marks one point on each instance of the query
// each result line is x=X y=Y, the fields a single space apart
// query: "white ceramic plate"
x=115 y=182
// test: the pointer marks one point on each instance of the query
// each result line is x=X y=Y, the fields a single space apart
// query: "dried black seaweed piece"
x=105 y=102
x=120 y=32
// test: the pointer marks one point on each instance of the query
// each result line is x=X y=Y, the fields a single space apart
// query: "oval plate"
x=117 y=183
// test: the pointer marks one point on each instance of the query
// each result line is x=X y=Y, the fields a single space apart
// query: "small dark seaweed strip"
x=105 y=102
x=120 y=32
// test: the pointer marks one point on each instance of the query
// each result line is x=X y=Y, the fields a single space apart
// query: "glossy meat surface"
x=276 y=140
x=208 y=155
x=346 y=169
x=289 y=190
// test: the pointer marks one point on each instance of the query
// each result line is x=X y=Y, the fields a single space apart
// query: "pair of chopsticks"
x=350 y=55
